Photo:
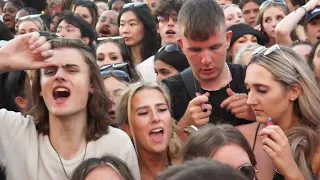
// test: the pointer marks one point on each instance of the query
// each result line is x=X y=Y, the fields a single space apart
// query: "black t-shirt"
x=180 y=97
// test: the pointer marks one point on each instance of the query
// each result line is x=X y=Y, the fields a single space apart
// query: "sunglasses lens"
x=249 y=171
x=172 y=48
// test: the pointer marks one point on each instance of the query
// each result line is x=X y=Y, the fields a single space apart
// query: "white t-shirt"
x=146 y=70
x=26 y=154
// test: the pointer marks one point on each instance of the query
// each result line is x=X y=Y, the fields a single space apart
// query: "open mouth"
x=104 y=31
x=61 y=93
x=157 y=134
x=112 y=114
x=170 y=32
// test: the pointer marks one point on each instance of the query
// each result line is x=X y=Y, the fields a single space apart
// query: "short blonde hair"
x=123 y=110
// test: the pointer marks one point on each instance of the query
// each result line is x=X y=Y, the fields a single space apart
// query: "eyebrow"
x=129 y=20
x=144 y=107
x=69 y=65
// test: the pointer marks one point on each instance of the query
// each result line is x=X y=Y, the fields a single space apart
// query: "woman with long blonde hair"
x=284 y=96
x=143 y=111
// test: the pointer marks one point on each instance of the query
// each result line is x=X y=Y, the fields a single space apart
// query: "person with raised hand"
x=28 y=51
x=68 y=122
x=311 y=21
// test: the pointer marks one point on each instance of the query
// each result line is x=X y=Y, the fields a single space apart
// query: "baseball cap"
x=313 y=14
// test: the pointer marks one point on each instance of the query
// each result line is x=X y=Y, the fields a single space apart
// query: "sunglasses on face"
x=124 y=67
x=267 y=2
x=170 y=48
x=111 y=21
x=135 y=5
x=166 y=18
x=248 y=170
x=266 y=51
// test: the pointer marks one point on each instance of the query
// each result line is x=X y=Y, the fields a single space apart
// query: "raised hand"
x=236 y=103
x=194 y=114
x=25 y=52
x=276 y=145
x=310 y=5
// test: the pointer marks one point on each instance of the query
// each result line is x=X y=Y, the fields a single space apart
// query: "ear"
x=158 y=28
x=21 y=102
x=228 y=37
x=180 y=43
x=295 y=92
x=126 y=129
x=91 y=89
x=86 y=40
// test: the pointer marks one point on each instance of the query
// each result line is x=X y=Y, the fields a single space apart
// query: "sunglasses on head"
x=135 y=5
x=267 y=2
x=116 y=73
x=29 y=16
x=124 y=67
x=248 y=170
x=266 y=51
x=170 y=48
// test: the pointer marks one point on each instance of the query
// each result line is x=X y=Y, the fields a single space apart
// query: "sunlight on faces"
x=250 y=13
x=164 y=70
x=303 y=50
x=150 y=111
x=68 y=30
x=316 y=62
x=206 y=58
x=233 y=16
x=131 y=29
x=271 y=17
x=243 y=41
x=108 y=53
x=114 y=88
x=104 y=172
x=84 y=13
x=26 y=27
x=74 y=77
x=168 y=30
x=232 y=155
x=267 y=97
x=313 y=30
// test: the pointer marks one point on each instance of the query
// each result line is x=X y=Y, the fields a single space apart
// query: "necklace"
x=224 y=84
x=85 y=152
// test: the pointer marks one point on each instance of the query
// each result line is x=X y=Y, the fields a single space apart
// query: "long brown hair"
x=98 y=103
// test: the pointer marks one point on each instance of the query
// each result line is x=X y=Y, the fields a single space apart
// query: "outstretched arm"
x=28 y=51
x=290 y=22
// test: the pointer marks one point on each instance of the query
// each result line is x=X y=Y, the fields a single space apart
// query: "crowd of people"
x=160 y=89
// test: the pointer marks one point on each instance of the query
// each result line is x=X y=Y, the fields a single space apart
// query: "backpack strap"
x=188 y=81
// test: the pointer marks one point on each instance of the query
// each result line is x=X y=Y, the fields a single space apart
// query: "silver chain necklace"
x=224 y=84
x=64 y=170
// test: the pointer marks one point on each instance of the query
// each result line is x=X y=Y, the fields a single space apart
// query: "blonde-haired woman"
x=283 y=91
x=143 y=111
x=31 y=23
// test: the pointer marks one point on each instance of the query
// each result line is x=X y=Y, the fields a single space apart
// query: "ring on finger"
x=238 y=96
